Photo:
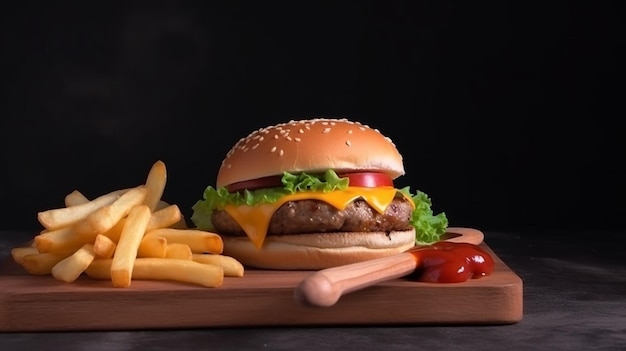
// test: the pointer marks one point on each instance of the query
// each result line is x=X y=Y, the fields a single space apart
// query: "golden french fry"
x=103 y=219
x=152 y=246
x=164 y=217
x=186 y=271
x=60 y=240
x=231 y=266
x=18 y=253
x=75 y=198
x=42 y=263
x=100 y=268
x=128 y=245
x=103 y=246
x=180 y=224
x=199 y=241
x=71 y=267
x=155 y=183
x=115 y=231
x=179 y=251
x=61 y=217
x=161 y=218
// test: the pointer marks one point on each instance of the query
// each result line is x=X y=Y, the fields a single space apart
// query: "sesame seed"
x=326 y=130
x=348 y=143
x=300 y=131
x=273 y=149
x=255 y=146
x=281 y=152
x=297 y=139
x=350 y=131
x=288 y=137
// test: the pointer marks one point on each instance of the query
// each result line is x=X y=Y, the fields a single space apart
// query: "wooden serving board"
x=260 y=298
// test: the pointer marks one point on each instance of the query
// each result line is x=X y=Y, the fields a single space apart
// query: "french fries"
x=181 y=224
x=178 y=250
x=186 y=271
x=71 y=267
x=165 y=217
x=126 y=251
x=155 y=183
x=103 y=246
x=75 y=198
x=104 y=218
x=152 y=246
x=64 y=216
x=231 y=267
x=18 y=253
x=42 y=263
x=59 y=240
x=125 y=235
x=198 y=240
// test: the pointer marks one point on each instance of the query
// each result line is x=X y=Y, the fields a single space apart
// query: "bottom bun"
x=317 y=251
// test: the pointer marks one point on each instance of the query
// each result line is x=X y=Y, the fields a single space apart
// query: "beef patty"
x=313 y=216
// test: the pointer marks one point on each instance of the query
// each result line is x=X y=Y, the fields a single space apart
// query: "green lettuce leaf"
x=428 y=227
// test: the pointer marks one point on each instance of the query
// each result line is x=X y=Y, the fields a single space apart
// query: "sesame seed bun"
x=312 y=145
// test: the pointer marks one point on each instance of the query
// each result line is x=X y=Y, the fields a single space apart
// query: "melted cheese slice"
x=255 y=219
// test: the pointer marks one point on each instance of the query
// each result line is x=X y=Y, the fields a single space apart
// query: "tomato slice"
x=368 y=179
x=362 y=179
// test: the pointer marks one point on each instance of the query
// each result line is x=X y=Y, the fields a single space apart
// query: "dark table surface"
x=574 y=299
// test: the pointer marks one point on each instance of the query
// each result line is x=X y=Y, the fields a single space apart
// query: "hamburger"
x=312 y=194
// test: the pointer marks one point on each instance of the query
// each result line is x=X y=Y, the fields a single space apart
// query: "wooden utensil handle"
x=325 y=287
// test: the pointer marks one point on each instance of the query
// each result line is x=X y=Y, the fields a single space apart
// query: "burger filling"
x=313 y=203
x=314 y=216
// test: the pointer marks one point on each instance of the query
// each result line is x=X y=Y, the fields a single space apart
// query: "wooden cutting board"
x=260 y=298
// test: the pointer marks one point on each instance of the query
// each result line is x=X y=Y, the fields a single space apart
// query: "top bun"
x=311 y=146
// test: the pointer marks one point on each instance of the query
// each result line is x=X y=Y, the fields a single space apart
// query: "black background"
x=507 y=113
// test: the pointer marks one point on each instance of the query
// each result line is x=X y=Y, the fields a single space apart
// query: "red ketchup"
x=449 y=262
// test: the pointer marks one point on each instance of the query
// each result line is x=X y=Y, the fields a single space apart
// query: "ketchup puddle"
x=451 y=262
